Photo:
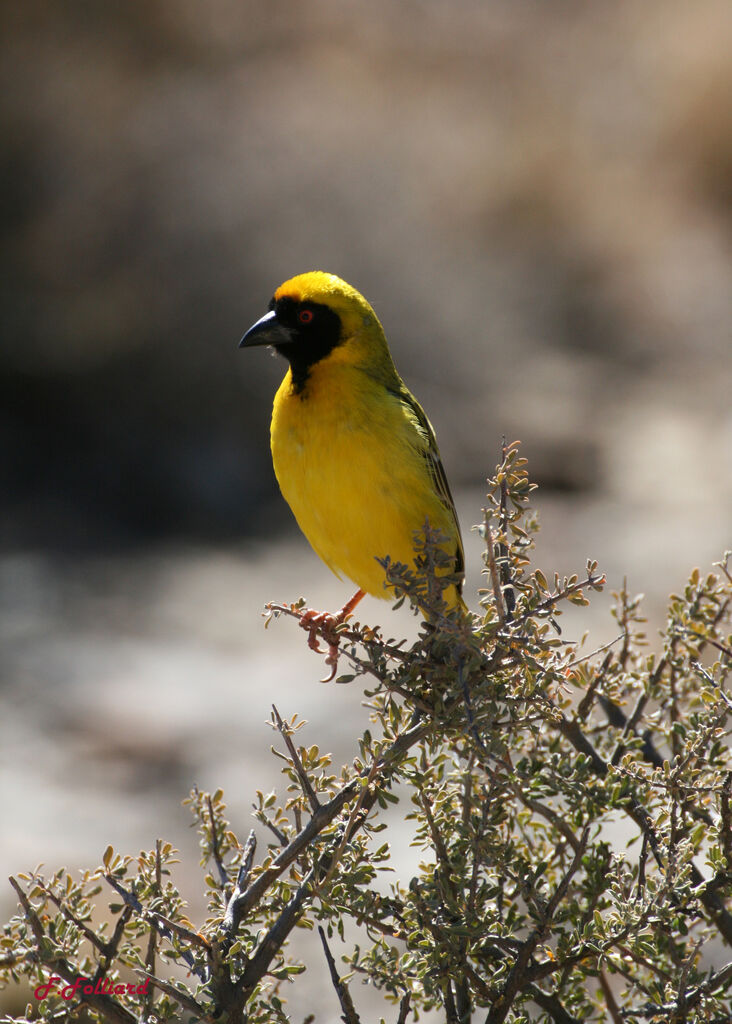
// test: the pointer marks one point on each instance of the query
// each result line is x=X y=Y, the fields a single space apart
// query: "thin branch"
x=215 y=851
x=642 y=862
x=274 y=939
x=685 y=968
x=707 y=640
x=726 y=821
x=585 y=705
x=183 y=998
x=491 y=556
x=506 y=589
x=344 y=996
x=715 y=981
x=451 y=1016
x=37 y=928
x=279 y=836
x=404 y=1009
x=546 y=812
x=592 y=580
x=372 y=922
x=302 y=775
x=597 y=650
x=110 y=950
x=233 y=914
x=437 y=841
x=153 y=937
x=550 y=1004
x=87 y=932
x=358 y=815
x=345 y=632
x=168 y=929
x=612 y=1007
x=635 y=957
x=471 y=718
x=629 y=724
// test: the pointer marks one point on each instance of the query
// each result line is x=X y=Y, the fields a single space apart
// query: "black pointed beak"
x=267 y=331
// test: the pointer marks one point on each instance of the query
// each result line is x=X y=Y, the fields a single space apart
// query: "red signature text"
x=86 y=987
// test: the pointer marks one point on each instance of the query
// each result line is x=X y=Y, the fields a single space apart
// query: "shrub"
x=517 y=759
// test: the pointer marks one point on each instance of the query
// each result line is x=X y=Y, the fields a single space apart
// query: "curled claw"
x=332 y=660
x=326 y=624
x=311 y=621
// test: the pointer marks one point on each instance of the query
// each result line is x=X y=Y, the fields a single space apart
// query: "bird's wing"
x=431 y=454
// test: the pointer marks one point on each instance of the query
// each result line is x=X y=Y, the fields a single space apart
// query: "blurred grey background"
x=536 y=198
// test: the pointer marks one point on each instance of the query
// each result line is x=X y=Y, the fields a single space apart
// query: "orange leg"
x=326 y=622
x=348 y=607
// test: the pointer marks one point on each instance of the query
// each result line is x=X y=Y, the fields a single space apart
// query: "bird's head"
x=317 y=315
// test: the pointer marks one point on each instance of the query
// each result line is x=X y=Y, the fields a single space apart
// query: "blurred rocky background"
x=536 y=198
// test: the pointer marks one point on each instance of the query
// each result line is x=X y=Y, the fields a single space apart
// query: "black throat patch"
x=315 y=331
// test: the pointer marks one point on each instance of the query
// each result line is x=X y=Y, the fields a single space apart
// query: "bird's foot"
x=317 y=622
x=326 y=624
x=323 y=624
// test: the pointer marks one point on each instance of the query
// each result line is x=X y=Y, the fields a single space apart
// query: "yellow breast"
x=349 y=463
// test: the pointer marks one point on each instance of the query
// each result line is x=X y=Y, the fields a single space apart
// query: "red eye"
x=305 y=316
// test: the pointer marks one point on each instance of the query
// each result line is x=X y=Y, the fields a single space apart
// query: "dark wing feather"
x=431 y=455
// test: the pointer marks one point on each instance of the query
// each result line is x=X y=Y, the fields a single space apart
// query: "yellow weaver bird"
x=354 y=454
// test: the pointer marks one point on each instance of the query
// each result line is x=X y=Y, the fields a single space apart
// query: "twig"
x=233 y=914
x=349 y=1011
x=111 y=947
x=506 y=590
x=168 y=929
x=612 y=1007
x=87 y=932
x=487 y=755
x=585 y=705
x=642 y=861
x=451 y=1016
x=495 y=578
x=572 y=732
x=403 y=1009
x=366 y=795
x=345 y=632
x=356 y=818
x=593 y=580
x=279 y=836
x=36 y=927
x=185 y=1000
x=638 y=958
x=629 y=724
x=297 y=763
x=550 y=1004
x=274 y=939
x=247 y=859
x=546 y=812
x=725 y=812
x=153 y=937
x=715 y=981
x=685 y=968
x=215 y=851
x=598 y=650
x=706 y=640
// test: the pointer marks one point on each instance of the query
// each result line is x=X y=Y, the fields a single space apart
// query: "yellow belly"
x=351 y=471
